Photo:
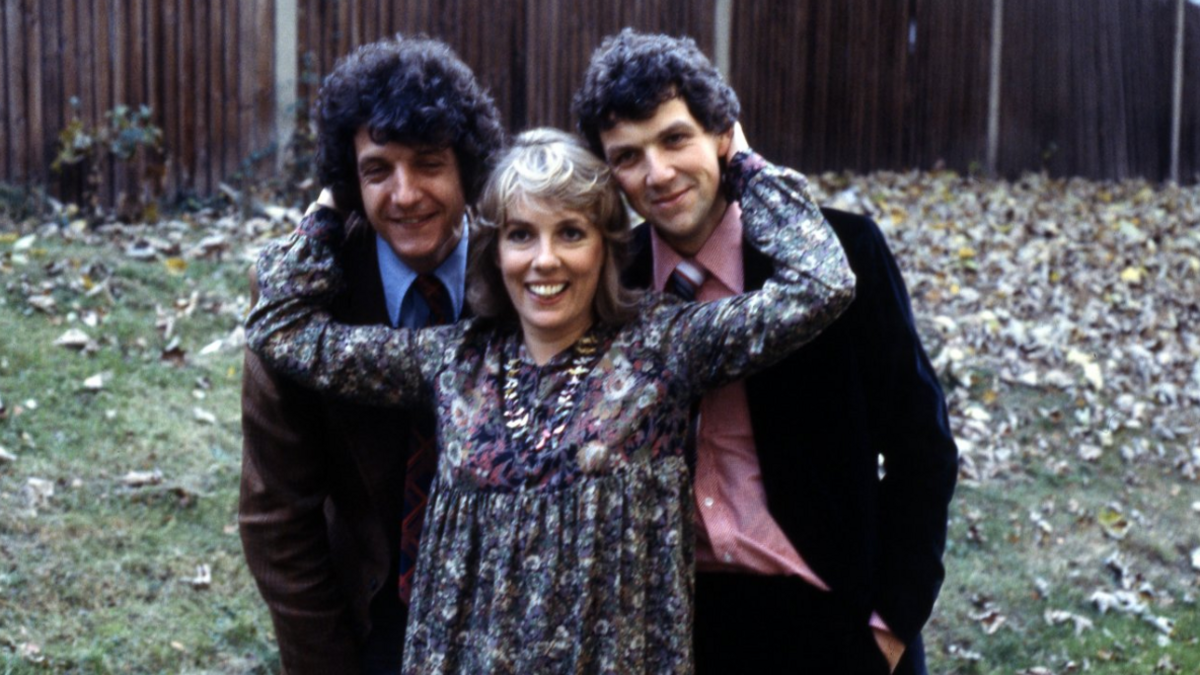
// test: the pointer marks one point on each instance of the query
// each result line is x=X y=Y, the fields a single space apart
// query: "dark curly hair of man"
x=632 y=73
x=410 y=90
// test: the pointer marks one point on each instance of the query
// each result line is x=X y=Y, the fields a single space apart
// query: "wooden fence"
x=1077 y=87
x=204 y=66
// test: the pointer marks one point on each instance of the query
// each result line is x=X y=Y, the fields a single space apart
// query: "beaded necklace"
x=523 y=425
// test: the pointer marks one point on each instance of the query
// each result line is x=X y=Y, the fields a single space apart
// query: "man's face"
x=413 y=197
x=669 y=168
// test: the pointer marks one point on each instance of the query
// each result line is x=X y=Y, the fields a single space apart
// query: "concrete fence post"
x=1177 y=91
x=722 y=29
x=286 y=57
x=994 y=73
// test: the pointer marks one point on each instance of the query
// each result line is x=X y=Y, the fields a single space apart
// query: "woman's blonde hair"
x=551 y=168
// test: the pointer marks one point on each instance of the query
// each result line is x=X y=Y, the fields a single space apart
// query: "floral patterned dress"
x=558 y=537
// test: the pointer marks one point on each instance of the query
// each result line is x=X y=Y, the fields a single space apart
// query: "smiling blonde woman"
x=559 y=533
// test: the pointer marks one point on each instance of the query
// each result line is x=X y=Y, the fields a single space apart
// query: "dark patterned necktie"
x=422 y=447
x=685 y=280
x=436 y=297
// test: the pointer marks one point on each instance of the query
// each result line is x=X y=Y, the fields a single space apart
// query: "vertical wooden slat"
x=116 y=24
x=342 y=30
x=247 y=88
x=218 y=47
x=14 y=48
x=206 y=169
x=133 y=46
x=7 y=74
x=192 y=175
x=303 y=48
x=327 y=35
x=168 y=87
x=53 y=97
x=386 y=19
x=103 y=75
x=78 y=17
x=242 y=82
x=264 y=76
x=1189 y=145
x=36 y=118
x=229 y=88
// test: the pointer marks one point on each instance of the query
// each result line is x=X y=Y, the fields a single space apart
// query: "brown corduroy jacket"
x=321 y=492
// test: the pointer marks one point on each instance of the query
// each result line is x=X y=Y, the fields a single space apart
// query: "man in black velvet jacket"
x=808 y=560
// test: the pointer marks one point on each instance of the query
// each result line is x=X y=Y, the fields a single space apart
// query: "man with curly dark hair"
x=332 y=492
x=807 y=561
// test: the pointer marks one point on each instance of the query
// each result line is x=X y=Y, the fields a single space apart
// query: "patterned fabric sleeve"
x=718 y=342
x=291 y=330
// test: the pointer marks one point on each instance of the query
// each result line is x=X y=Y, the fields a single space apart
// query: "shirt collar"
x=398 y=277
x=721 y=255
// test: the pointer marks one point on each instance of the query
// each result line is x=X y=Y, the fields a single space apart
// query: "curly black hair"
x=412 y=90
x=632 y=73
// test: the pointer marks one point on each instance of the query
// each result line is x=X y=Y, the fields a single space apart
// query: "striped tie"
x=422 y=448
x=685 y=280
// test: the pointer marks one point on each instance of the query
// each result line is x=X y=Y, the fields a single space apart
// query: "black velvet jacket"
x=822 y=417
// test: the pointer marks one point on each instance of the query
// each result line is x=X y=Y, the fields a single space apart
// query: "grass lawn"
x=121 y=449
x=97 y=567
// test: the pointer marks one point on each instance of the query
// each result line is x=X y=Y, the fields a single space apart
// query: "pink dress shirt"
x=734 y=531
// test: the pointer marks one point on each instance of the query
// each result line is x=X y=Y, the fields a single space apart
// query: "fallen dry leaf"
x=1113 y=522
x=42 y=303
x=991 y=620
x=1055 y=617
x=31 y=652
x=38 y=492
x=202 y=579
x=142 y=478
x=24 y=243
x=73 y=339
x=175 y=265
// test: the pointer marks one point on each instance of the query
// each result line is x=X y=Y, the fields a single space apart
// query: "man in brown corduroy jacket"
x=405 y=138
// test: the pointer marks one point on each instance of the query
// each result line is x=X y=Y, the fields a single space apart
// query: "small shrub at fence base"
x=18 y=203
x=128 y=138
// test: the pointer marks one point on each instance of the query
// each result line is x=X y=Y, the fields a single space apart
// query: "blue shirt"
x=408 y=310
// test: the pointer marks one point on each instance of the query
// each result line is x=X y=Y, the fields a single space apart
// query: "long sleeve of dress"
x=291 y=330
x=718 y=342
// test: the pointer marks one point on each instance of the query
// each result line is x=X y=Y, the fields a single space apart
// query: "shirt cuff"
x=738 y=173
x=878 y=622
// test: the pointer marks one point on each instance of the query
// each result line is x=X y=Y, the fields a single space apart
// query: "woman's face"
x=550 y=259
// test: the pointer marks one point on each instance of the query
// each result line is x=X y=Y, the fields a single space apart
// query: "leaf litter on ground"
x=1085 y=292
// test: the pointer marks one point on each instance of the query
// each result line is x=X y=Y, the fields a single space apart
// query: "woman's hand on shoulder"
x=325 y=200
x=737 y=142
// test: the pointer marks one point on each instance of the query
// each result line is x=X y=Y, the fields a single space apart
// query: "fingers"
x=738 y=142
